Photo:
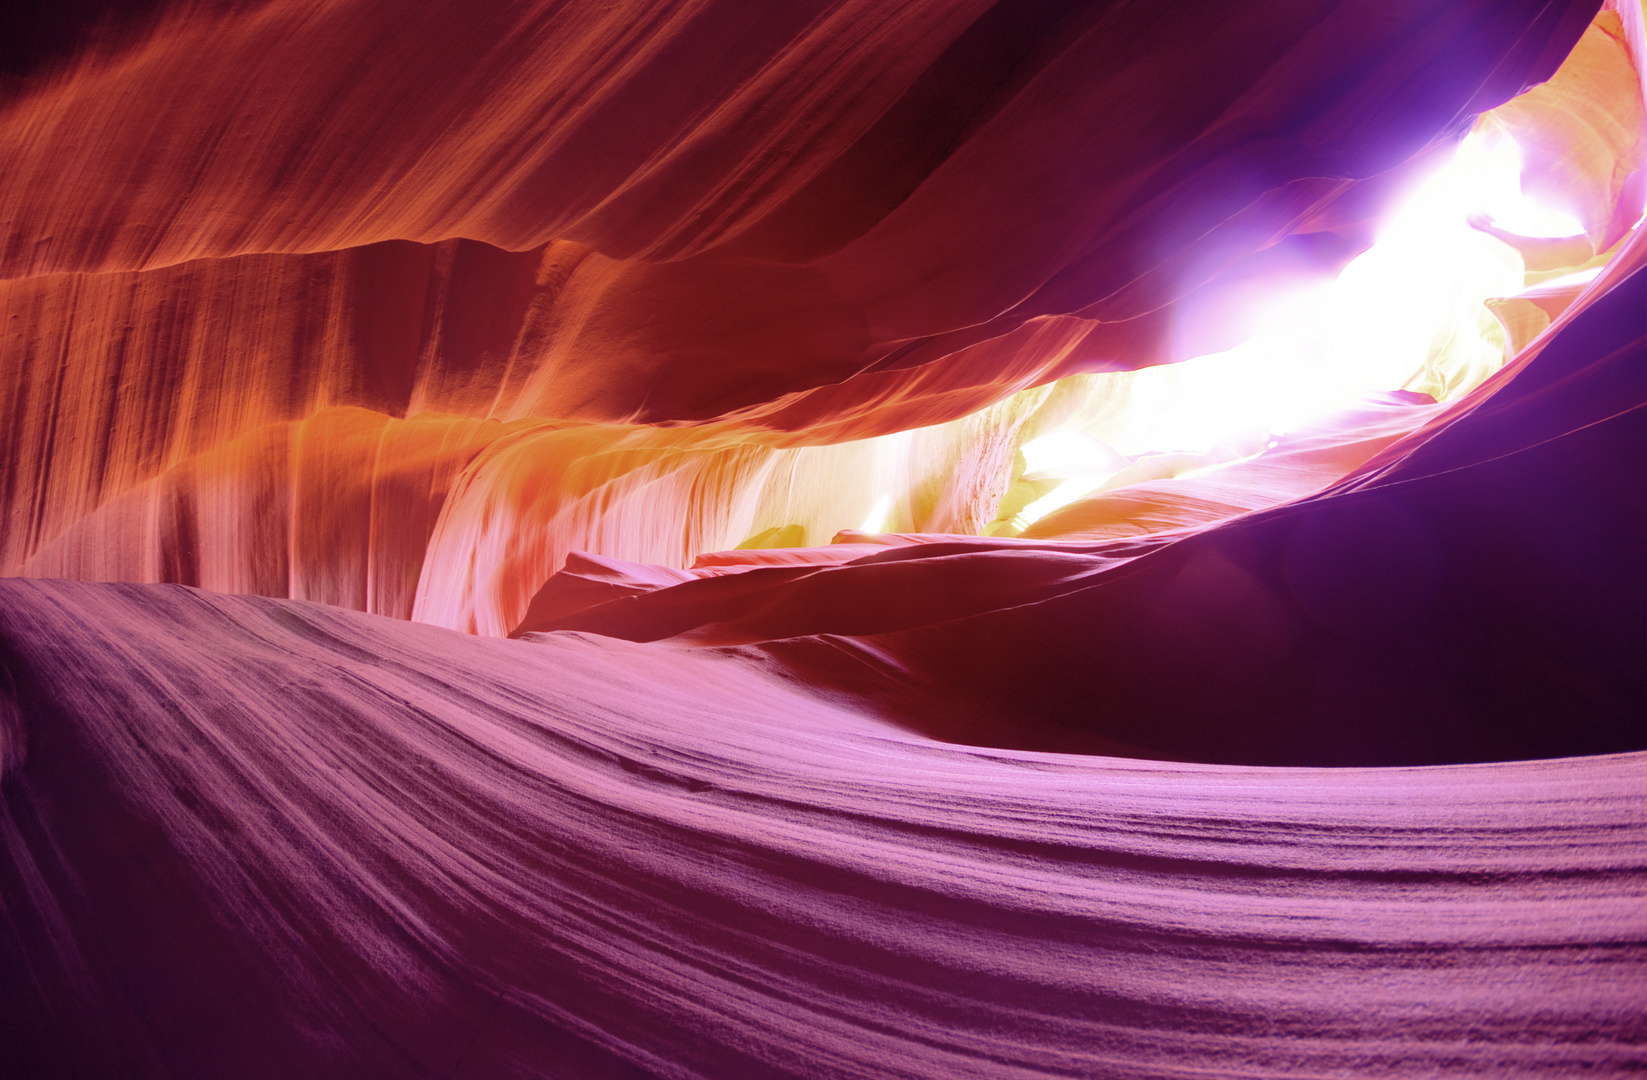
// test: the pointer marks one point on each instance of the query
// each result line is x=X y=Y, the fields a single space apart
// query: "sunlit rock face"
x=831 y=539
x=815 y=225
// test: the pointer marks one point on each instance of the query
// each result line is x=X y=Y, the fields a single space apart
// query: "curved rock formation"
x=272 y=838
x=818 y=224
x=1473 y=594
x=703 y=349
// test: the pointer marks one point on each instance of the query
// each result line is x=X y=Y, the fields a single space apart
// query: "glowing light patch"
x=1056 y=499
x=1573 y=280
x=876 y=521
x=1084 y=461
x=1408 y=313
x=1069 y=453
x=1491 y=166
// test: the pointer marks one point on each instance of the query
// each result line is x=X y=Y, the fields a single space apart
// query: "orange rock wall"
x=279 y=284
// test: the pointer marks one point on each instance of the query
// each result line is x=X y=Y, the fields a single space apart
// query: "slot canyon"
x=732 y=539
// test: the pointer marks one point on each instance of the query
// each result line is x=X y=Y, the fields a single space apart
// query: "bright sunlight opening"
x=1408 y=314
